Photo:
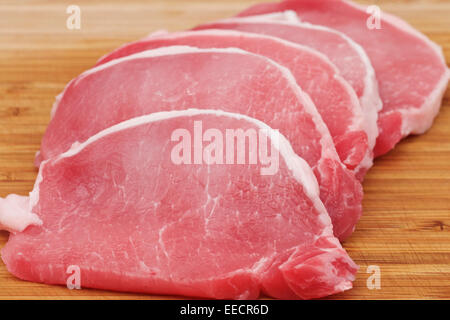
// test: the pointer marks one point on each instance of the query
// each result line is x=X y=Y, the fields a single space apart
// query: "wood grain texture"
x=406 y=224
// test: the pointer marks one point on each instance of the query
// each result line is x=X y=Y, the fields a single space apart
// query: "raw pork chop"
x=315 y=74
x=177 y=78
x=116 y=207
x=411 y=70
x=348 y=56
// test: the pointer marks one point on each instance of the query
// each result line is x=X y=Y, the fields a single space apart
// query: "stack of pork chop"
x=142 y=183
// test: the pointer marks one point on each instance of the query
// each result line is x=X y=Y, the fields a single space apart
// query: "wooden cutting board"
x=405 y=229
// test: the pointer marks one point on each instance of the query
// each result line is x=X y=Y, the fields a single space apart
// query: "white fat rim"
x=34 y=194
x=164 y=51
x=364 y=165
x=419 y=120
x=298 y=167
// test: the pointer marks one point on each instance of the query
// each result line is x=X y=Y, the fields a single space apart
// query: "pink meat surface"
x=334 y=98
x=116 y=207
x=177 y=78
x=350 y=59
x=411 y=70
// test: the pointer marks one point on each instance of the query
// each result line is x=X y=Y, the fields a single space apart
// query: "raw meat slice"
x=177 y=78
x=314 y=73
x=115 y=207
x=351 y=60
x=411 y=70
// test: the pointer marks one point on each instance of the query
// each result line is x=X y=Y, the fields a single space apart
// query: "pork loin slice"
x=121 y=210
x=411 y=70
x=350 y=59
x=317 y=76
x=177 y=78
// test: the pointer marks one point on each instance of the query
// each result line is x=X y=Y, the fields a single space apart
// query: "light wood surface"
x=406 y=224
